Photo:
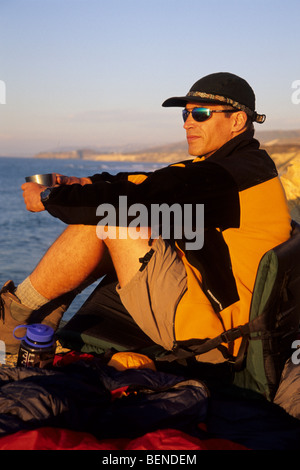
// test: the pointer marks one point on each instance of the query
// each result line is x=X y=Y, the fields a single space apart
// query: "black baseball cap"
x=221 y=88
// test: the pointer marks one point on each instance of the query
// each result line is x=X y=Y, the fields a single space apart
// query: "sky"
x=94 y=73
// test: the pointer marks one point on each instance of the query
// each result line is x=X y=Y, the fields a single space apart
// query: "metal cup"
x=47 y=179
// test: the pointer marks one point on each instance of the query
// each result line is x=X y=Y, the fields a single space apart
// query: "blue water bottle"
x=37 y=348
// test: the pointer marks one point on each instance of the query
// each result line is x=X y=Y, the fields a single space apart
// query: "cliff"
x=289 y=169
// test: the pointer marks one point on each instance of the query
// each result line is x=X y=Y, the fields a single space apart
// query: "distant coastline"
x=166 y=153
x=283 y=142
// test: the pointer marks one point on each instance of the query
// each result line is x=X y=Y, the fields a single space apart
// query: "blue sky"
x=93 y=73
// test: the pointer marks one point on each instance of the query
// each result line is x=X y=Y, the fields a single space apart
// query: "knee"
x=79 y=233
x=110 y=233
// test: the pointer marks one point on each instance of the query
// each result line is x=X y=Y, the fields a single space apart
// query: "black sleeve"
x=109 y=178
x=199 y=183
x=105 y=176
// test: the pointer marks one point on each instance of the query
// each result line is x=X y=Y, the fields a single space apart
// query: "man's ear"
x=239 y=121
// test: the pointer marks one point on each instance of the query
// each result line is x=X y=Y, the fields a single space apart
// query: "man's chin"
x=193 y=152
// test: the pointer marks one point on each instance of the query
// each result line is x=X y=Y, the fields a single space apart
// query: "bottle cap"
x=37 y=333
x=40 y=333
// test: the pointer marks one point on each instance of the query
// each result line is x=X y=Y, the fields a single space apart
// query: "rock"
x=290 y=179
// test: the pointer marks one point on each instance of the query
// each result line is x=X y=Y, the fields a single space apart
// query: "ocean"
x=25 y=236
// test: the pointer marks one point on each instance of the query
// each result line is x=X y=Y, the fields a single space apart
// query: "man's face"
x=204 y=138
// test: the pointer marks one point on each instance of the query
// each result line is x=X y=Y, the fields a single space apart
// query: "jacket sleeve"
x=201 y=183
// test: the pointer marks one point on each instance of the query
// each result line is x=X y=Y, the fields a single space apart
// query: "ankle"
x=29 y=296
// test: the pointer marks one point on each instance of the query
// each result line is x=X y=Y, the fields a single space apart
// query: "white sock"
x=29 y=296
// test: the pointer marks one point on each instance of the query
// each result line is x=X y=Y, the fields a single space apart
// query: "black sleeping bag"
x=79 y=397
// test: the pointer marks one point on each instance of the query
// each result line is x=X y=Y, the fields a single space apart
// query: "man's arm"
x=32 y=191
x=200 y=183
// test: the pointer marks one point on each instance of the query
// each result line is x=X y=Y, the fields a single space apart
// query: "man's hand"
x=32 y=196
x=32 y=191
x=62 y=179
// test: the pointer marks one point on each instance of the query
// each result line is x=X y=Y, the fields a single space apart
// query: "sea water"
x=26 y=236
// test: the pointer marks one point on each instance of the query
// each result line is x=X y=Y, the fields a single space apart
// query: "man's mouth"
x=191 y=138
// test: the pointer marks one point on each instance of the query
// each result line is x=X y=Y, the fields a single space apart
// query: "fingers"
x=32 y=196
x=30 y=185
x=62 y=179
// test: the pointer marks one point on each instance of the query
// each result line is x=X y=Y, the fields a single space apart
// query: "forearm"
x=77 y=204
x=209 y=185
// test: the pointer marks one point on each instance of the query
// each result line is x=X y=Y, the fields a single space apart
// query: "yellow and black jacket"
x=245 y=215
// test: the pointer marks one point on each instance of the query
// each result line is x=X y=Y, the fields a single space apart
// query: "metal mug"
x=47 y=179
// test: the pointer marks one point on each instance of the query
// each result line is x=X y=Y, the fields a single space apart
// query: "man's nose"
x=189 y=122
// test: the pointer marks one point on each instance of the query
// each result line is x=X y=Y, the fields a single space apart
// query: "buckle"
x=231 y=335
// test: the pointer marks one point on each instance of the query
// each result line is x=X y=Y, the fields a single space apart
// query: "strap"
x=193 y=347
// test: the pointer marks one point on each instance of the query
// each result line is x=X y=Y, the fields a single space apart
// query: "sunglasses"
x=203 y=114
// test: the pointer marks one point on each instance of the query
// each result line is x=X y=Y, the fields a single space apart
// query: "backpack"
x=273 y=323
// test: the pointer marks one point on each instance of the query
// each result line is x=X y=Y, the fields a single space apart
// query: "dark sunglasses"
x=202 y=114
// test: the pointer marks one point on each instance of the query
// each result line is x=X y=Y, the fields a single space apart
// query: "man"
x=173 y=293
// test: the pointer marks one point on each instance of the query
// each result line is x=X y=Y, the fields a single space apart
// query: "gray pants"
x=152 y=295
